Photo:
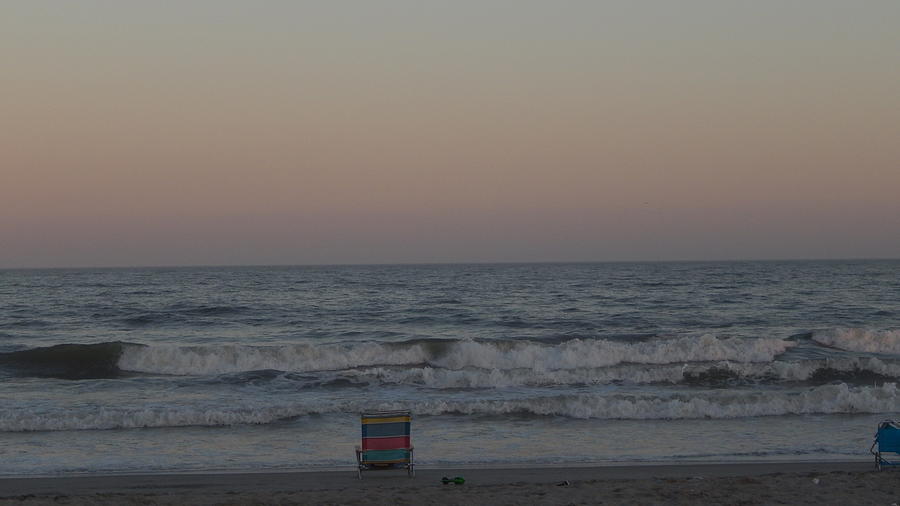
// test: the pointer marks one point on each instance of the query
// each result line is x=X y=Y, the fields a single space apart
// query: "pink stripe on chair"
x=385 y=443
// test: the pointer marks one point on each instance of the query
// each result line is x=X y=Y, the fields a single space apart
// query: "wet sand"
x=724 y=483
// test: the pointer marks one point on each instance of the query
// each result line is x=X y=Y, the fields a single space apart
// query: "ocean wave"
x=826 y=399
x=446 y=354
x=223 y=359
x=849 y=369
x=862 y=340
x=67 y=361
x=723 y=404
x=106 y=418
x=449 y=364
x=702 y=374
x=603 y=353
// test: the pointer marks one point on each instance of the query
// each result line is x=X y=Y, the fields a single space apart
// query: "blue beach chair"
x=385 y=442
x=887 y=439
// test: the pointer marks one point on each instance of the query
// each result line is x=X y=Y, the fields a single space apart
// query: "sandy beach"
x=756 y=483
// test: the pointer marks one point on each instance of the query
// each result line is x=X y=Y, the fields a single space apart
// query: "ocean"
x=266 y=368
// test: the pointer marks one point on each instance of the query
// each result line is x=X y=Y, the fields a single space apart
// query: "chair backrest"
x=386 y=436
x=888 y=437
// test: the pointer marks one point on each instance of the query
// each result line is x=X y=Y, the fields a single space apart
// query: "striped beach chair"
x=385 y=442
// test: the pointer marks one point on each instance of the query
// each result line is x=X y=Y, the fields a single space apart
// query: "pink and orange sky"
x=282 y=132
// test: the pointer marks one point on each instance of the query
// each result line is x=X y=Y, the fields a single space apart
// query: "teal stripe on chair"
x=385 y=455
x=385 y=429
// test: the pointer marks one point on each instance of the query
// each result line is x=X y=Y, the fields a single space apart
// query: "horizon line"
x=451 y=263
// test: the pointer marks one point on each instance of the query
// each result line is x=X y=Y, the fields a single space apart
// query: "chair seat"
x=386 y=456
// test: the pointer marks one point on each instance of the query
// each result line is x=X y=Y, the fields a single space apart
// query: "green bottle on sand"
x=459 y=480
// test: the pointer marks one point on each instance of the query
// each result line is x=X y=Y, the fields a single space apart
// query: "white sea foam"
x=204 y=360
x=864 y=340
x=455 y=355
x=717 y=404
x=601 y=353
x=440 y=378
x=826 y=399
x=19 y=420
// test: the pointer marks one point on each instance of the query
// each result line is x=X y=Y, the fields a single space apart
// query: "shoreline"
x=845 y=482
x=469 y=467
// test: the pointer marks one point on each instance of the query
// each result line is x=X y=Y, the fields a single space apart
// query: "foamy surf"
x=447 y=354
x=706 y=373
x=448 y=364
x=861 y=340
x=710 y=404
x=826 y=399
x=146 y=417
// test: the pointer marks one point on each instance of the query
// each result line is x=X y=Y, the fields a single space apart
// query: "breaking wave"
x=826 y=399
x=67 y=361
x=861 y=340
x=449 y=364
x=447 y=354
x=703 y=374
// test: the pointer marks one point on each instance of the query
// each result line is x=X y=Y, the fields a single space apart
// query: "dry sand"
x=766 y=483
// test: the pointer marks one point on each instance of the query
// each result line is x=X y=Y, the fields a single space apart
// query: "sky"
x=219 y=132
